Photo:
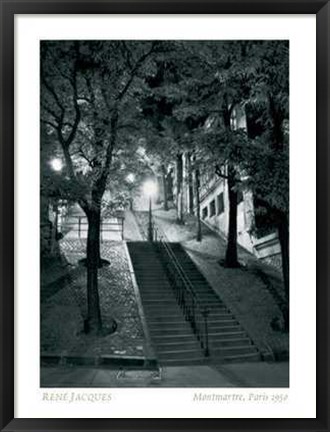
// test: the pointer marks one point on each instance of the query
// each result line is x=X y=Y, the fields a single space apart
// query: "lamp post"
x=56 y=165
x=150 y=190
x=198 y=207
x=130 y=179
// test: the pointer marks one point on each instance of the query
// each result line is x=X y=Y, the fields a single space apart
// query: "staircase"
x=228 y=341
x=172 y=336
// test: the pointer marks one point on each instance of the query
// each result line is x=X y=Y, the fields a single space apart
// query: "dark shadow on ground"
x=200 y=254
x=55 y=274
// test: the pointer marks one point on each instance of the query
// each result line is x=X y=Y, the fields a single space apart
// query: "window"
x=220 y=202
x=204 y=213
x=212 y=208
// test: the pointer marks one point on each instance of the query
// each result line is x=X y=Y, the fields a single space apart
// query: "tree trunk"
x=190 y=186
x=164 y=187
x=198 y=208
x=94 y=322
x=277 y=117
x=231 y=259
x=277 y=143
x=283 y=234
x=179 y=181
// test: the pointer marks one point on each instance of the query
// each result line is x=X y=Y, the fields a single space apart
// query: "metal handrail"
x=81 y=222
x=195 y=313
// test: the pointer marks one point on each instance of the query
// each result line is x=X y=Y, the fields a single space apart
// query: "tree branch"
x=49 y=123
x=77 y=109
x=219 y=172
x=100 y=183
x=127 y=55
x=84 y=156
x=51 y=112
x=134 y=71
x=53 y=93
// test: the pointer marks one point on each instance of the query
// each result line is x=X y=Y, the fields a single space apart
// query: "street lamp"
x=130 y=178
x=56 y=164
x=150 y=189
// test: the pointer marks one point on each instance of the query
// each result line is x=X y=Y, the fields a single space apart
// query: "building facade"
x=254 y=233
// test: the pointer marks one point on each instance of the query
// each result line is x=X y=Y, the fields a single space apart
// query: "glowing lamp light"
x=150 y=188
x=56 y=164
x=130 y=178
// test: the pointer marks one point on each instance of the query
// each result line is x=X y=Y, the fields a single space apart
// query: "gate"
x=77 y=227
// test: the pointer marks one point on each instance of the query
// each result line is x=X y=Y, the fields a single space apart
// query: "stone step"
x=233 y=350
x=187 y=344
x=202 y=359
x=160 y=279
x=157 y=293
x=171 y=335
x=241 y=358
x=155 y=308
x=183 y=361
x=219 y=338
x=173 y=338
x=214 y=314
x=180 y=354
x=165 y=302
x=240 y=341
x=211 y=303
x=166 y=327
x=221 y=324
x=222 y=335
x=162 y=333
x=174 y=314
x=161 y=320
x=149 y=271
x=224 y=329
x=217 y=319
x=177 y=321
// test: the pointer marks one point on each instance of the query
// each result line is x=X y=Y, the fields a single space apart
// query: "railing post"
x=150 y=227
x=79 y=226
x=206 y=347
x=193 y=315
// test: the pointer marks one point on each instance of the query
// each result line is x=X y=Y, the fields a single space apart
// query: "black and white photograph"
x=164 y=213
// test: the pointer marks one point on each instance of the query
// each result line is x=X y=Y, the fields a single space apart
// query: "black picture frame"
x=8 y=9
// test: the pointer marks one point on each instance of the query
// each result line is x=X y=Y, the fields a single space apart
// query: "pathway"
x=257 y=375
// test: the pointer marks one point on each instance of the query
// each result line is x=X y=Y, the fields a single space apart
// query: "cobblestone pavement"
x=63 y=314
x=246 y=294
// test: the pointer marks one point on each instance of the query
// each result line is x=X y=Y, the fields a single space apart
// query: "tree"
x=161 y=145
x=169 y=136
x=90 y=93
x=216 y=84
x=219 y=79
x=225 y=77
x=268 y=162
